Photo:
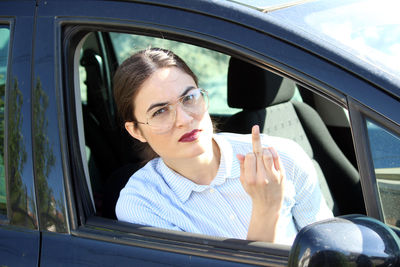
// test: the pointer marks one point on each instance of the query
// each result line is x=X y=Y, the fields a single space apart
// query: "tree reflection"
x=50 y=216
x=19 y=204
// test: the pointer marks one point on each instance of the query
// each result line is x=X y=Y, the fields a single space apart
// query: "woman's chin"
x=200 y=148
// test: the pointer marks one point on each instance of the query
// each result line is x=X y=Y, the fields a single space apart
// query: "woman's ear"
x=134 y=131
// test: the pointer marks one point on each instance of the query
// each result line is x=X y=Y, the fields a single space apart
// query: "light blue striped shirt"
x=157 y=196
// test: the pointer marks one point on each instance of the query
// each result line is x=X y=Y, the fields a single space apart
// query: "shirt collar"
x=183 y=187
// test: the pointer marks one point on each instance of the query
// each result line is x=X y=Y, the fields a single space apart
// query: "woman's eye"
x=188 y=99
x=160 y=112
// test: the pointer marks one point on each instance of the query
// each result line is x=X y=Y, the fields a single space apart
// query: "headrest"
x=251 y=87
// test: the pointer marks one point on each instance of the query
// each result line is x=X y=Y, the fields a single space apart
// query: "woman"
x=225 y=184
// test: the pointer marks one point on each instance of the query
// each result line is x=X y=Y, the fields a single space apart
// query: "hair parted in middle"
x=135 y=70
x=131 y=75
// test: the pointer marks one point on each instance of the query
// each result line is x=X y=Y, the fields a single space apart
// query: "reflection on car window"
x=385 y=149
x=371 y=35
x=210 y=66
x=4 y=40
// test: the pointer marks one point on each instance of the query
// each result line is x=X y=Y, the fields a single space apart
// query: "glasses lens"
x=161 y=119
x=195 y=101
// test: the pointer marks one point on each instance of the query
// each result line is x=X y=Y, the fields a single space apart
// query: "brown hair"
x=131 y=75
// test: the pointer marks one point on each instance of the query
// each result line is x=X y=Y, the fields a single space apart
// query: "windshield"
x=367 y=29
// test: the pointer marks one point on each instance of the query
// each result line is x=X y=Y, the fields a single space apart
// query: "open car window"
x=111 y=155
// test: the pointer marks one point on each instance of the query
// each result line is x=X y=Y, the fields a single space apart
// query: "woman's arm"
x=262 y=176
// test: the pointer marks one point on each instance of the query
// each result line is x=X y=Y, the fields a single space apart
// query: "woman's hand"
x=262 y=176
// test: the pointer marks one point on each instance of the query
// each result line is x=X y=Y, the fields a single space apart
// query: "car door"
x=19 y=231
x=73 y=234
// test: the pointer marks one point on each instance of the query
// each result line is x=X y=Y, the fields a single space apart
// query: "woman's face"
x=190 y=135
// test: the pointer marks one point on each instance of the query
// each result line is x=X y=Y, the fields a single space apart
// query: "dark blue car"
x=329 y=69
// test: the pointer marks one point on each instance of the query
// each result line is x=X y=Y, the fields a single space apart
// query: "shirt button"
x=232 y=217
x=212 y=190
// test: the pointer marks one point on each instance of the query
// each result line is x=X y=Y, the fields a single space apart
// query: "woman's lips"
x=190 y=137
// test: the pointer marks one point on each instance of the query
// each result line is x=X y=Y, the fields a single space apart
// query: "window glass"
x=385 y=149
x=4 y=40
x=210 y=66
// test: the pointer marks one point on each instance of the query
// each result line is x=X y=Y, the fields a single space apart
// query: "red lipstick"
x=190 y=137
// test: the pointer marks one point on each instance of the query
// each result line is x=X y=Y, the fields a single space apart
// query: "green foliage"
x=211 y=67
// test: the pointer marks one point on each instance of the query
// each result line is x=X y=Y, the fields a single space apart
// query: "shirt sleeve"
x=310 y=205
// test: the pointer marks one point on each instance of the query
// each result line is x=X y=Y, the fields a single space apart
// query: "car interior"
x=251 y=94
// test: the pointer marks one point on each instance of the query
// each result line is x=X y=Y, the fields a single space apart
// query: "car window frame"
x=86 y=222
x=91 y=222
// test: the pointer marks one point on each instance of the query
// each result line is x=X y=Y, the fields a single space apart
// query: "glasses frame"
x=173 y=104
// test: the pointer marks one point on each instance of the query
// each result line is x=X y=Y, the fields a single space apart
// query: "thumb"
x=240 y=157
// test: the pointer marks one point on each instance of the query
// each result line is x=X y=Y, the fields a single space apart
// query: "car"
x=322 y=73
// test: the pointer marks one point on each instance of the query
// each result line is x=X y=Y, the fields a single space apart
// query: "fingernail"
x=256 y=129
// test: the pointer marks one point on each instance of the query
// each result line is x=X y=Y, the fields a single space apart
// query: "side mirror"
x=353 y=240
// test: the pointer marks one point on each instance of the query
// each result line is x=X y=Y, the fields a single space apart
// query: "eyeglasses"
x=162 y=117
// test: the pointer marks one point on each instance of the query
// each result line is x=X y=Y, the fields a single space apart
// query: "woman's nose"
x=182 y=116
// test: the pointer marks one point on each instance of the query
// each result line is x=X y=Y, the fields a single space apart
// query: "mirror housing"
x=352 y=240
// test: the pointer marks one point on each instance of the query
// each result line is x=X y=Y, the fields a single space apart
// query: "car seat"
x=265 y=99
x=110 y=148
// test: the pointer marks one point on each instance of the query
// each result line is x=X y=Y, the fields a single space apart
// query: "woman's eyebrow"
x=161 y=104
x=187 y=90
